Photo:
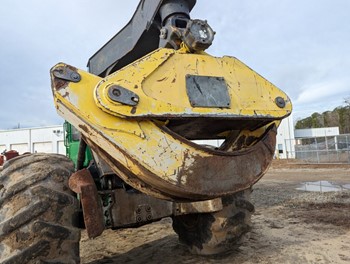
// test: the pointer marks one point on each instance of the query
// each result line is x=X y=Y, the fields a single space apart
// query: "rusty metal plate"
x=205 y=178
x=206 y=91
x=138 y=208
x=82 y=183
x=208 y=206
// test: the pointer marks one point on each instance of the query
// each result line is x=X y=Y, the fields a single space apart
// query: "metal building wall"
x=317 y=132
x=41 y=139
x=285 y=137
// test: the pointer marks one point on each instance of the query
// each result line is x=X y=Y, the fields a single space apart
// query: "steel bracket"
x=82 y=183
x=67 y=74
x=121 y=95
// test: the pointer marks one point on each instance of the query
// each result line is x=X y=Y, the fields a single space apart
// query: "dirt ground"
x=289 y=226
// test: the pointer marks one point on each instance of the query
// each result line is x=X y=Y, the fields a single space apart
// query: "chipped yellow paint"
x=138 y=138
x=140 y=145
x=159 y=79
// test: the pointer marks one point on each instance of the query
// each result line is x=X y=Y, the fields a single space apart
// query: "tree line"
x=339 y=117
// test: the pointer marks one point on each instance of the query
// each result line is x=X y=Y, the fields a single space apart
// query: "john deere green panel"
x=71 y=141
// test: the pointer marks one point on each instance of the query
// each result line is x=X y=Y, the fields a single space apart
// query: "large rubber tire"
x=219 y=232
x=38 y=211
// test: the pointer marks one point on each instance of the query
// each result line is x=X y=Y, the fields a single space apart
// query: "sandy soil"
x=289 y=226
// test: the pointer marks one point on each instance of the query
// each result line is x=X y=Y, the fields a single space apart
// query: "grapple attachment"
x=142 y=119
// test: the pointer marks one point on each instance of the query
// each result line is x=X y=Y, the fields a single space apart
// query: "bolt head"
x=75 y=76
x=280 y=102
x=116 y=92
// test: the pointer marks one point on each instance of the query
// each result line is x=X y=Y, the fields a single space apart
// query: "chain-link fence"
x=335 y=149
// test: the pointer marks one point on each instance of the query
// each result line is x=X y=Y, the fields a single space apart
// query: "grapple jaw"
x=142 y=118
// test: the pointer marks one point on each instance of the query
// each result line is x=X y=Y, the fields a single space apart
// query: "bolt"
x=163 y=33
x=116 y=92
x=280 y=102
x=75 y=76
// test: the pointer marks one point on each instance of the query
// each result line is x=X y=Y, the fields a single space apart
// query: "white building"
x=41 y=139
x=316 y=132
x=285 y=139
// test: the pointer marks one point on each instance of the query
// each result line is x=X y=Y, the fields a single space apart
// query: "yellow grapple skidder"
x=149 y=95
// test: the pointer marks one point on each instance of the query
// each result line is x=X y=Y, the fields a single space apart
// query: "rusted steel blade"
x=218 y=174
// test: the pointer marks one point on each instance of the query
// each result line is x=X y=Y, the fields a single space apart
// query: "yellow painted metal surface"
x=159 y=80
x=150 y=158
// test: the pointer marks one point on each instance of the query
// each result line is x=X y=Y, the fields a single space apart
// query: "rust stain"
x=66 y=94
x=59 y=84
x=222 y=174
x=84 y=128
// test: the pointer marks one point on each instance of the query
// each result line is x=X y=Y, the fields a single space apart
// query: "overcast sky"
x=302 y=46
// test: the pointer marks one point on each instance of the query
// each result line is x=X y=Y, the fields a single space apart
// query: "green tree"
x=339 y=117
